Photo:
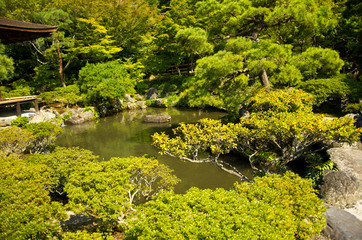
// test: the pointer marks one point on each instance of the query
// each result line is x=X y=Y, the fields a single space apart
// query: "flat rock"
x=341 y=225
x=157 y=118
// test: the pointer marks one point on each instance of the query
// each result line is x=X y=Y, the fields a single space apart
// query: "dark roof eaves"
x=10 y=24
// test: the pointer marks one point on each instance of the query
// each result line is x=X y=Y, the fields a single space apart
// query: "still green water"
x=126 y=134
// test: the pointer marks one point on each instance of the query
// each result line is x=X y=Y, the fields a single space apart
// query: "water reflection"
x=126 y=134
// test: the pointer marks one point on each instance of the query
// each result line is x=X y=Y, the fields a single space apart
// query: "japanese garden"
x=180 y=119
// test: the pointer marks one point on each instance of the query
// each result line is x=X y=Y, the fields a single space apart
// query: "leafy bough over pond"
x=126 y=134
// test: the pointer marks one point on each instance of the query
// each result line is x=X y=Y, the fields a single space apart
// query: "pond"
x=126 y=134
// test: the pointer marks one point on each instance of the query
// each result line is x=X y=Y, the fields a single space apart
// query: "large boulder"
x=342 y=225
x=78 y=116
x=151 y=94
x=45 y=115
x=132 y=106
x=347 y=183
x=128 y=98
x=142 y=104
x=339 y=188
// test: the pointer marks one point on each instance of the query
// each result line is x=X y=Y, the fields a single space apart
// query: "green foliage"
x=15 y=140
x=44 y=133
x=21 y=9
x=61 y=162
x=84 y=235
x=353 y=108
x=272 y=207
x=193 y=41
x=215 y=70
x=20 y=121
x=316 y=165
x=19 y=92
x=292 y=193
x=96 y=44
x=318 y=63
x=69 y=95
x=341 y=86
x=290 y=135
x=192 y=139
x=6 y=65
x=32 y=137
x=108 y=189
x=224 y=79
x=287 y=100
x=103 y=82
x=270 y=141
x=26 y=209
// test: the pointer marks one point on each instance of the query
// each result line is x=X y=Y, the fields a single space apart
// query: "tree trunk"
x=264 y=78
x=61 y=72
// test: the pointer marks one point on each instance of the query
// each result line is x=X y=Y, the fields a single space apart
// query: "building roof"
x=12 y=31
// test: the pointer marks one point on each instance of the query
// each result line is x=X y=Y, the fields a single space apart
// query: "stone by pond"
x=126 y=134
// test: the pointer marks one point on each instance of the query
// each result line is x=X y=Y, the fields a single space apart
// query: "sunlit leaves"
x=272 y=207
x=108 y=190
x=33 y=137
x=26 y=209
x=292 y=193
x=14 y=140
x=61 y=163
x=318 y=63
x=194 y=40
x=291 y=135
x=287 y=100
x=280 y=129
x=193 y=139
x=103 y=82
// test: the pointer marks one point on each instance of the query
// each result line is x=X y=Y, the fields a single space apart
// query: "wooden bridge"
x=20 y=100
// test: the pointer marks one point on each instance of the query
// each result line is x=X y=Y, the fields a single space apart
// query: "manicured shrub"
x=84 y=235
x=292 y=193
x=26 y=209
x=103 y=82
x=108 y=190
x=61 y=163
x=69 y=95
x=15 y=140
x=287 y=100
x=20 y=121
x=44 y=133
x=272 y=207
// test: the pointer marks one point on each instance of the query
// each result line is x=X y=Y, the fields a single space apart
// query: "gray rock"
x=160 y=103
x=132 y=106
x=138 y=97
x=151 y=94
x=339 y=188
x=45 y=115
x=142 y=104
x=157 y=118
x=118 y=104
x=128 y=98
x=342 y=225
x=356 y=117
x=103 y=110
x=75 y=221
x=78 y=116
x=344 y=188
